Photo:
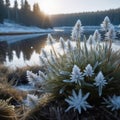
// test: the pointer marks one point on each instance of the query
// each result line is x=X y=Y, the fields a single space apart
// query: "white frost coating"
x=76 y=76
x=100 y=82
x=88 y=71
x=91 y=41
x=106 y=24
x=113 y=102
x=97 y=36
x=77 y=30
x=32 y=100
x=111 y=34
x=78 y=102
x=34 y=79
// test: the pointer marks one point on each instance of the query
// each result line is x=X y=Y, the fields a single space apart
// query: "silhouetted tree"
x=87 y=18
x=1 y=11
x=7 y=3
x=22 y=4
x=36 y=8
x=16 y=10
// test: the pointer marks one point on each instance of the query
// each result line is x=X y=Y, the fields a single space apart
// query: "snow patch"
x=7 y=27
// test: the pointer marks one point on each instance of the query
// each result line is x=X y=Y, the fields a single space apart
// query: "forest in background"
x=87 y=18
x=23 y=15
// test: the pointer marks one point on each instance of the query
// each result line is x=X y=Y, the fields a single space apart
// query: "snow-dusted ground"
x=86 y=28
x=12 y=28
x=7 y=27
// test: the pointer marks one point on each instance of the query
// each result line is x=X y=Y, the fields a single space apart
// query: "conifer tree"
x=22 y=4
x=1 y=11
x=16 y=10
x=7 y=8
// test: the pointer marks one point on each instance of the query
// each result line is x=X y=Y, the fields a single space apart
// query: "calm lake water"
x=27 y=45
x=31 y=46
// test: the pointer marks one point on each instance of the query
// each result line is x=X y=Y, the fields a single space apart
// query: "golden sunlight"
x=48 y=6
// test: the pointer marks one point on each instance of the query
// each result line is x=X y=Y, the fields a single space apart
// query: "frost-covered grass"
x=84 y=75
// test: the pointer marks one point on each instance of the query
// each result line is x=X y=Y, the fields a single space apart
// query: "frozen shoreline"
x=15 y=38
x=12 y=32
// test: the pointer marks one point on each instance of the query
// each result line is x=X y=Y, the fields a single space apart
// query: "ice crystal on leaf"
x=113 y=102
x=78 y=102
x=88 y=71
x=77 y=30
x=100 y=82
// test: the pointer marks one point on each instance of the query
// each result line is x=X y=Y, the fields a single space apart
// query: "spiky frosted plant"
x=100 y=82
x=50 y=39
x=32 y=100
x=62 y=44
x=70 y=46
x=89 y=72
x=111 y=34
x=94 y=70
x=76 y=76
x=106 y=24
x=44 y=53
x=34 y=79
x=96 y=36
x=78 y=102
x=91 y=41
x=77 y=30
x=113 y=102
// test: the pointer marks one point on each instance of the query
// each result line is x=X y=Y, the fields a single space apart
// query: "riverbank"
x=20 y=33
x=8 y=28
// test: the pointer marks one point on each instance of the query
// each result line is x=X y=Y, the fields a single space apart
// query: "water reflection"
x=29 y=49
x=19 y=62
x=3 y=50
x=27 y=46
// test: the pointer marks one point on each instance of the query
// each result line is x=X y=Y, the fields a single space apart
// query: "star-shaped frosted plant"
x=100 y=82
x=76 y=76
x=113 y=102
x=78 y=102
x=88 y=71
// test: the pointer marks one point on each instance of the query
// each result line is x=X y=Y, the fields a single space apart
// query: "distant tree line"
x=24 y=15
x=87 y=18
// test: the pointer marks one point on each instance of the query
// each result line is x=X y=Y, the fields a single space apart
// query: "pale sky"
x=73 y=6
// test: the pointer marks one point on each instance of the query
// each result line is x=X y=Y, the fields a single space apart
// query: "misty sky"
x=72 y=6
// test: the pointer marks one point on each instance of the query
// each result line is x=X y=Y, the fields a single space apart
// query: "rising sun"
x=48 y=6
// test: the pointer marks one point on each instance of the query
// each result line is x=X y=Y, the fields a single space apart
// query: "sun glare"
x=48 y=6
